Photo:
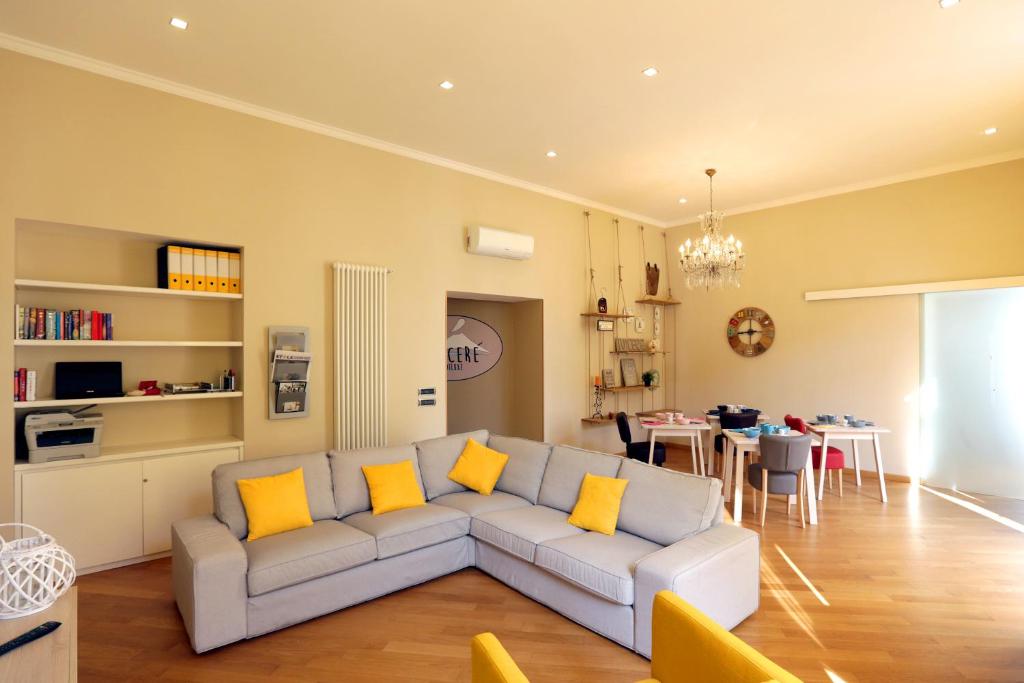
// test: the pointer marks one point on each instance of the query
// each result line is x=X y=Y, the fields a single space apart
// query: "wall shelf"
x=617 y=316
x=72 y=343
x=597 y=420
x=55 y=403
x=654 y=301
x=638 y=353
x=630 y=387
x=55 y=286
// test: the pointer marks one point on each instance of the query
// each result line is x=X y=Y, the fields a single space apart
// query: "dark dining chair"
x=781 y=470
x=727 y=420
x=640 y=450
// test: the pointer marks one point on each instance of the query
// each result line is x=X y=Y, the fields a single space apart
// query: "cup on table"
x=670 y=418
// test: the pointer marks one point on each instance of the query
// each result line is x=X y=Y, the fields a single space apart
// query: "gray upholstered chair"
x=781 y=470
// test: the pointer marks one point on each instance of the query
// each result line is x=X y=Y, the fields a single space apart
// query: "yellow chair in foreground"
x=689 y=647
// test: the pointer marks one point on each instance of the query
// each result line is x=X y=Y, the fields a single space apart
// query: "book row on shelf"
x=45 y=323
x=199 y=269
x=24 y=385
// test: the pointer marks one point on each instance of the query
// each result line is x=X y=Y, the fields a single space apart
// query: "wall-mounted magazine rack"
x=290 y=358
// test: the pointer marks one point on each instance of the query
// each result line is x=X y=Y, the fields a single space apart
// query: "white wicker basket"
x=34 y=571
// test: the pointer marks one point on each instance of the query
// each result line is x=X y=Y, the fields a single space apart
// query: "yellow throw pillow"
x=478 y=468
x=393 y=487
x=597 y=508
x=275 y=504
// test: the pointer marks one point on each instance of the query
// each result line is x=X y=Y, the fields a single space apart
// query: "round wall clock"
x=751 y=332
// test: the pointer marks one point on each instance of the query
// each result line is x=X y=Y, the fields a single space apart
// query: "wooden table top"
x=54 y=657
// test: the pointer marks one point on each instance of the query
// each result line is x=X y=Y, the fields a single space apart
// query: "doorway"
x=495 y=365
x=972 y=370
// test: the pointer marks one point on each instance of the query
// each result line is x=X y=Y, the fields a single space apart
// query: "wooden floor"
x=919 y=589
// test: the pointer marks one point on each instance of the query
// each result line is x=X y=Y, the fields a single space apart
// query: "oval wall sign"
x=474 y=347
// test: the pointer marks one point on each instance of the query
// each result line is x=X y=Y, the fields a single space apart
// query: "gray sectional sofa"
x=670 y=535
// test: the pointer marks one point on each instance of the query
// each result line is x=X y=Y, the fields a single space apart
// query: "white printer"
x=62 y=435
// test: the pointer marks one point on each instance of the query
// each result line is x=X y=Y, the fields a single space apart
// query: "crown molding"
x=1012 y=155
x=78 y=61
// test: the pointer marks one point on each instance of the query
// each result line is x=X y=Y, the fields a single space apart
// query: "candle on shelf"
x=597 y=380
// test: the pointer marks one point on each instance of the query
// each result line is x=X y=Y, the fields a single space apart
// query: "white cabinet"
x=95 y=512
x=117 y=509
x=174 y=488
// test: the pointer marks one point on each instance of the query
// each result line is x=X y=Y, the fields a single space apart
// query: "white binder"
x=187 y=278
x=211 y=270
x=199 y=269
x=223 y=272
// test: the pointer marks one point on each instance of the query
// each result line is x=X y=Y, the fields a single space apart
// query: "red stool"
x=834 y=458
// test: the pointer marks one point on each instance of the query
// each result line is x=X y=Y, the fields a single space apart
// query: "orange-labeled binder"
x=222 y=272
x=187 y=277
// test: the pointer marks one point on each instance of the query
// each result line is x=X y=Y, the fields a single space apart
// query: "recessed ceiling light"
x=946 y=4
x=650 y=72
x=179 y=23
x=991 y=131
x=682 y=200
x=447 y=85
x=551 y=154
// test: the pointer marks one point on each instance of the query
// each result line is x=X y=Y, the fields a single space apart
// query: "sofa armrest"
x=209 y=567
x=717 y=571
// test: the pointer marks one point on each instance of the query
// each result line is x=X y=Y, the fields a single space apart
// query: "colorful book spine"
x=47 y=324
x=22 y=383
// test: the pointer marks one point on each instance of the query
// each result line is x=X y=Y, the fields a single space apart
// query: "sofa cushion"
x=479 y=467
x=564 y=474
x=437 y=458
x=600 y=563
x=351 y=494
x=304 y=554
x=519 y=531
x=404 y=530
x=665 y=506
x=526 y=463
x=474 y=504
x=316 y=474
x=393 y=487
x=274 y=504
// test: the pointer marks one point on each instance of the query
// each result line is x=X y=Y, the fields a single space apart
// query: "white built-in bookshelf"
x=157 y=451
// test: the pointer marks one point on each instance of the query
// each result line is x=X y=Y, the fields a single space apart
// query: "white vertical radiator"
x=360 y=356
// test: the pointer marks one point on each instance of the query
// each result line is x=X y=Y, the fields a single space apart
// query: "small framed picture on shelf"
x=604 y=325
x=608 y=377
x=629 y=376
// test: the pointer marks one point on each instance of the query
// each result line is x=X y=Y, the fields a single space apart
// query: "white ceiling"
x=786 y=98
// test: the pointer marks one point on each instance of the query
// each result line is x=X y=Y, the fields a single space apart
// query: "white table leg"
x=727 y=468
x=878 y=466
x=693 y=453
x=812 y=504
x=711 y=450
x=737 y=483
x=856 y=461
x=700 y=452
x=650 y=452
x=821 y=469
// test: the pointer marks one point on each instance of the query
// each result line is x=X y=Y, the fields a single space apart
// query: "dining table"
x=692 y=428
x=716 y=428
x=837 y=432
x=737 y=447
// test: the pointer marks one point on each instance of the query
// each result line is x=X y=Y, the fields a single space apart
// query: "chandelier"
x=714 y=261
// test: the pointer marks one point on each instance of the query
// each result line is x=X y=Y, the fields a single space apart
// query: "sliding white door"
x=972 y=409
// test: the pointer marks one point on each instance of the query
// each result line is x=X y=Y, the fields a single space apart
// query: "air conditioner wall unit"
x=486 y=241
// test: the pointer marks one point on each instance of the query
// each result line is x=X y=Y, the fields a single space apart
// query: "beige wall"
x=83 y=149
x=857 y=355
x=507 y=399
